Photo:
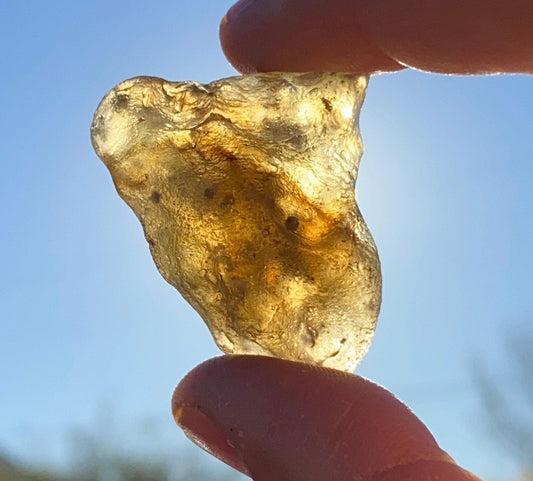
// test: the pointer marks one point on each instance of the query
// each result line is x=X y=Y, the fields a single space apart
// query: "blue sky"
x=444 y=184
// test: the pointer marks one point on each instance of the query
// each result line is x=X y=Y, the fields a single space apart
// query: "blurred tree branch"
x=509 y=407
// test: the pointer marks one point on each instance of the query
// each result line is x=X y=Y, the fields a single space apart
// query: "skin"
x=275 y=419
x=286 y=421
x=446 y=36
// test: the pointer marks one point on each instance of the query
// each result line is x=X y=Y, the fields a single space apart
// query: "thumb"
x=283 y=420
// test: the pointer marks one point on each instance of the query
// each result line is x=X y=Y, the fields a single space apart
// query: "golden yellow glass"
x=245 y=188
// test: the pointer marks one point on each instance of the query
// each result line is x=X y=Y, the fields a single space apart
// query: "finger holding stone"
x=275 y=419
x=455 y=36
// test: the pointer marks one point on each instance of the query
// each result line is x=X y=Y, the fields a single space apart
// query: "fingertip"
x=231 y=47
x=275 y=419
x=457 y=37
x=199 y=423
x=296 y=36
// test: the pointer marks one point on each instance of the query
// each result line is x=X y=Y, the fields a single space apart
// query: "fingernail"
x=237 y=10
x=207 y=434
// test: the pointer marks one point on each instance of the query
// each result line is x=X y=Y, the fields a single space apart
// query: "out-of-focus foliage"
x=10 y=471
x=113 y=468
x=509 y=407
x=109 y=451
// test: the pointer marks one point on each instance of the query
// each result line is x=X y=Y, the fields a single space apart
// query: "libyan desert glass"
x=245 y=188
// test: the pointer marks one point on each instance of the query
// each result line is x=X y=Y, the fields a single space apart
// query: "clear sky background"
x=445 y=186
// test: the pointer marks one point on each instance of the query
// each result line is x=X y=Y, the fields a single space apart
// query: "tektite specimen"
x=245 y=188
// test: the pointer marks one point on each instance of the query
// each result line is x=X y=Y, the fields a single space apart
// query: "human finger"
x=283 y=420
x=446 y=36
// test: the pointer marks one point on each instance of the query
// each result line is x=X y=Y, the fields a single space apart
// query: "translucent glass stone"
x=245 y=188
